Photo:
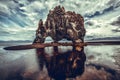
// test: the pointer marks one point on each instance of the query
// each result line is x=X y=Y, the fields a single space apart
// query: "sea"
x=102 y=62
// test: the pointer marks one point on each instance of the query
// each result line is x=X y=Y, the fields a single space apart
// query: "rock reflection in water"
x=63 y=65
x=16 y=69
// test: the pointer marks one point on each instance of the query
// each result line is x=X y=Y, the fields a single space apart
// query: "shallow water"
x=24 y=63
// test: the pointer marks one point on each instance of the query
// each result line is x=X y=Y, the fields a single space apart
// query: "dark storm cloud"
x=8 y=19
x=115 y=3
x=98 y=13
x=111 y=2
x=116 y=30
x=118 y=4
x=4 y=33
x=19 y=12
x=111 y=6
x=90 y=23
x=30 y=0
x=15 y=1
x=116 y=22
x=21 y=5
x=14 y=11
x=4 y=20
x=26 y=13
x=61 y=1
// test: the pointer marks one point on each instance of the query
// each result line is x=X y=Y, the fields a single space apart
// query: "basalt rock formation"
x=61 y=24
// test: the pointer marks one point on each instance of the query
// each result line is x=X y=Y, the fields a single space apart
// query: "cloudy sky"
x=19 y=18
